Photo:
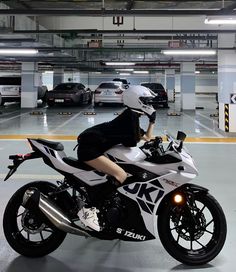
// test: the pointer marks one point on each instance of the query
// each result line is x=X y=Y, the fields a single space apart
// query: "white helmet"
x=138 y=98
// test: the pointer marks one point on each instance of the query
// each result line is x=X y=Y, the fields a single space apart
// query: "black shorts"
x=91 y=145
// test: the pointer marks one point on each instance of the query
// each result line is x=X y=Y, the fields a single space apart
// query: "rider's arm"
x=149 y=133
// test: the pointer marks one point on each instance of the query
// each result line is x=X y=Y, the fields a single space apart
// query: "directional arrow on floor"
x=233 y=98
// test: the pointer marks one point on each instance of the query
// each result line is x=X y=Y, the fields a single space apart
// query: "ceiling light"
x=219 y=20
x=119 y=63
x=14 y=51
x=189 y=52
x=48 y=72
x=124 y=74
x=127 y=70
x=197 y=72
x=141 y=72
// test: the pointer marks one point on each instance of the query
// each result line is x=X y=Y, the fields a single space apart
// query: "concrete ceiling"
x=116 y=4
x=142 y=46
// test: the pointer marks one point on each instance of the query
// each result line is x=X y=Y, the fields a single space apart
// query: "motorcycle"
x=156 y=198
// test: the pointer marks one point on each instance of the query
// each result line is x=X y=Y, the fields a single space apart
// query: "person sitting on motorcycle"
x=124 y=129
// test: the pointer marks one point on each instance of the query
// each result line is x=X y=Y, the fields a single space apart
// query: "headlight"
x=178 y=199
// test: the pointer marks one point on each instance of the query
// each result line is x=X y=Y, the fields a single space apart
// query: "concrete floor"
x=215 y=162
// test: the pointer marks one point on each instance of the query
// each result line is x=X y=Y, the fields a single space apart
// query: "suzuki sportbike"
x=156 y=199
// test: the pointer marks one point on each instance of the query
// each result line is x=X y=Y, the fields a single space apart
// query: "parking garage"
x=172 y=43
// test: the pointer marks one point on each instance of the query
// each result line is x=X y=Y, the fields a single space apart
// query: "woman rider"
x=124 y=129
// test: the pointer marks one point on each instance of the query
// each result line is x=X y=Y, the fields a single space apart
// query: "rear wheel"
x=193 y=233
x=27 y=232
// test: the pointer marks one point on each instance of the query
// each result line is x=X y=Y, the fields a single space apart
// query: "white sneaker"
x=88 y=216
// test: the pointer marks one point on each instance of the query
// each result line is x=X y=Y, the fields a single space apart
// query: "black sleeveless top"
x=124 y=129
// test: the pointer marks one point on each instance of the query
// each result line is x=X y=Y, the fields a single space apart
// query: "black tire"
x=44 y=98
x=18 y=228
x=50 y=104
x=165 y=105
x=96 y=104
x=179 y=230
x=90 y=100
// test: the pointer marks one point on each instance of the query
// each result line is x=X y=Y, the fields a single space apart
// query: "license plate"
x=59 y=100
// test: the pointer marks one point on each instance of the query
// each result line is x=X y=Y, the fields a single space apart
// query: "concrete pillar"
x=159 y=78
x=30 y=81
x=58 y=76
x=227 y=83
x=187 y=85
x=72 y=76
x=170 y=84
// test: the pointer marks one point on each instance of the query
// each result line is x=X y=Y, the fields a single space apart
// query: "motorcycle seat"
x=54 y=145
x=77 y=164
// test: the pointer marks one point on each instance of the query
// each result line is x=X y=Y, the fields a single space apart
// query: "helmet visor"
x=146 y=100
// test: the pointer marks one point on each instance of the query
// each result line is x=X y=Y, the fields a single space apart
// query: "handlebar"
x=155 y=147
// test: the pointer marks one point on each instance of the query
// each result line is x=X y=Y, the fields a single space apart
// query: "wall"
x=205 y=83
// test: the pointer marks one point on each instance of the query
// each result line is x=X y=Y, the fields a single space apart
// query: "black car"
x=69 y=93
x=161 y=95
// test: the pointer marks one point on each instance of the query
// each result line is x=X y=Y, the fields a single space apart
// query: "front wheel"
x=195 y=232
x=26 y=232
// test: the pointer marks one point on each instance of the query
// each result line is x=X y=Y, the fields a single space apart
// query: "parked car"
x=124 y=81
x=109 y=92
x=69 y=93
x=161 y=95
x=10 y=89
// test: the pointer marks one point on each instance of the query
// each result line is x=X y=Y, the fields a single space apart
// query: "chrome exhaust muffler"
x=56 y=216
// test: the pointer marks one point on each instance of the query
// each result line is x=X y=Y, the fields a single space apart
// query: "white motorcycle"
x=155 y=199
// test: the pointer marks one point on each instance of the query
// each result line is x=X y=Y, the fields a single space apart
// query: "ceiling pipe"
x=136 y=31
x=120 y=12
x=126 y=49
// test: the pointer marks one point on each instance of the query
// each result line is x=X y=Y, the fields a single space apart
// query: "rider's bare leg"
x=107 y=166
x=88 y=216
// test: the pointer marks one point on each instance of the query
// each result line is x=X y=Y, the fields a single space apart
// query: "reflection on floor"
x=80 y=254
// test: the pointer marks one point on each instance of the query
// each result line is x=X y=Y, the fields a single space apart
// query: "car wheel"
x=165 y=105
x=44 y=98
x=50 y=103
x=90 y=100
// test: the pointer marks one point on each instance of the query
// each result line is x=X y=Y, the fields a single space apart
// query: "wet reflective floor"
x=215 y=162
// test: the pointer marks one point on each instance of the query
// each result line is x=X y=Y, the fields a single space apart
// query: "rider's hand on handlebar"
x=152 y=117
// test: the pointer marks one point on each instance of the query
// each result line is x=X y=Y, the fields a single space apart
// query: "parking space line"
x=68 y=121
x=206 y=117
x=8 y=119
x=8 y=113
x=203 y=126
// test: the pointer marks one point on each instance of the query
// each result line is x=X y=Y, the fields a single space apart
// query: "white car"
x=10 y=89
x=109 y=92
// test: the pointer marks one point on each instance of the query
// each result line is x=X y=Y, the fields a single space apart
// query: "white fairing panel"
x=127 y=154
x=89 y=177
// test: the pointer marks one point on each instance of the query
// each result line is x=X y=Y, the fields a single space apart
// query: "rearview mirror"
x=181 y=136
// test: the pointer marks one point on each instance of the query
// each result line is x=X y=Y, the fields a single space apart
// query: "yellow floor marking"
x=74 y=137
x=44 y=136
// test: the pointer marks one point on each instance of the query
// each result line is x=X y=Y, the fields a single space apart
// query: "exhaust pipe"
x=34 y=197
